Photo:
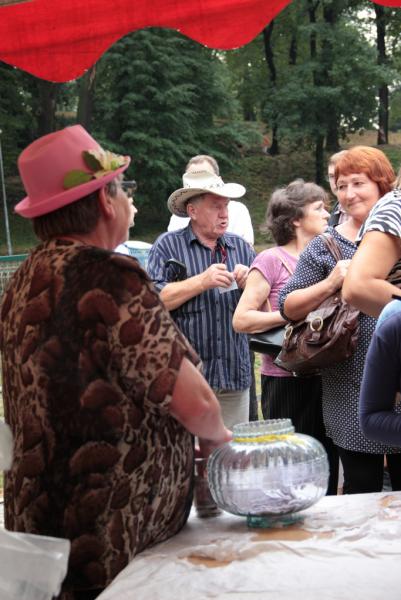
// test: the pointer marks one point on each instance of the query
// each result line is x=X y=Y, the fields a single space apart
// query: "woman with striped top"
x=363 y=175
x=375 y=271
x=374 y=277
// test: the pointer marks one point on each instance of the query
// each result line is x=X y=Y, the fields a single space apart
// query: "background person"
x=338 y=215
x=213 y=265
x=295 y=215
x=380 y=388
x=100 y=388
x=363 y=174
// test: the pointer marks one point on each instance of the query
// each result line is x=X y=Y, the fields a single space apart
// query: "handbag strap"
x=285 y=265
x=283 y=261
x=332 y=246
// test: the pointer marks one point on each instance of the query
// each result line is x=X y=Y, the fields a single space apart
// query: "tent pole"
x=3 y=189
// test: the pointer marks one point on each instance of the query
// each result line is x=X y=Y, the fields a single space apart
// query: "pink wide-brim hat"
x=44 y=164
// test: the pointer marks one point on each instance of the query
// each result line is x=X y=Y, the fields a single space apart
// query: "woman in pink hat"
x=95 y=374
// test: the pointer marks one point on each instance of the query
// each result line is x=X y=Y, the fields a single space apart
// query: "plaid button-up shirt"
x=206 y=319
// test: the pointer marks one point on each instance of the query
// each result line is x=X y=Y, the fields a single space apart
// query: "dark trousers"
x=253 y=400
x=300 y=399
x=363 y=473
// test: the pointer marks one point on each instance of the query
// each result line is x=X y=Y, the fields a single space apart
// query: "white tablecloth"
x=346 y=548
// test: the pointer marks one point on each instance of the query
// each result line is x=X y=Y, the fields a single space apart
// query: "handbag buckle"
x=319 y=325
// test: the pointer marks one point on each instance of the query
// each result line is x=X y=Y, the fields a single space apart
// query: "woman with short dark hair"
x=295 y=215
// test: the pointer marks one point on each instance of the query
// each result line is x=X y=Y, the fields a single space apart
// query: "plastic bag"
x=32 y=567
x=6 y=446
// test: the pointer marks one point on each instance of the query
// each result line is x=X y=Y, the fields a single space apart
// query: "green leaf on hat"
x=91 y=161
x=76 y=177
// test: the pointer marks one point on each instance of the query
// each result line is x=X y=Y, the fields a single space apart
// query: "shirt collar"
x=221 y=241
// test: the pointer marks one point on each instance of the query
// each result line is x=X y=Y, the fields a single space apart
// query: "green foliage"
x=349 y=91
x=249 y=77
x=326 y=74
x=162 y=98
x=15 y=115
x=312 y=90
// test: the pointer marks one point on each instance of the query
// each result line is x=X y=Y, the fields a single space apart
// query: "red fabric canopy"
x=59 y=39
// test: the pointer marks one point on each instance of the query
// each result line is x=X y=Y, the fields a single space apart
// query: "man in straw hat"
x=200 y=271
x=100 y=388
x=239 y=219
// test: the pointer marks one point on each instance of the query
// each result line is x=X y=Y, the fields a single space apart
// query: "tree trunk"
x=85 y=102
x=47 y=106
x=332 y=143
x=319 y=159
x=319 y=139
x=330 y=16
x=293 y=52
x=382 y=134
x=274 y=147
x=312 y=7
x=267 y=35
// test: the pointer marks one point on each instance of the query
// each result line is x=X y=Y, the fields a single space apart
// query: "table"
x=346 y=548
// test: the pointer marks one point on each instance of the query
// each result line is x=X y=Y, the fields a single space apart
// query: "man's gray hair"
x=195 y=200
x=200 y=158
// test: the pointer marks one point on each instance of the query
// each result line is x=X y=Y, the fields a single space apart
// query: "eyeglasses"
x=129 y=187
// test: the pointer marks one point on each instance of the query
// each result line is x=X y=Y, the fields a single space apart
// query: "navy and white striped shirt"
x=206 y=319
x=385 y=217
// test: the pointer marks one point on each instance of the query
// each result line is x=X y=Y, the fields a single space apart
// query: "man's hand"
x=216 y=276
x=240 y=275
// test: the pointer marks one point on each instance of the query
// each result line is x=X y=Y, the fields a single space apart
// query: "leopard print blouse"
x=90 y=357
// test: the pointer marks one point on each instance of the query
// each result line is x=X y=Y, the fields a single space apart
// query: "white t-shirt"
x=239 y=221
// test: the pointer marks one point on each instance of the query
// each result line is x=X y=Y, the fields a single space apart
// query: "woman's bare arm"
x=196 y=407
x=300 y=302
x=248 y=316
x=365 y=285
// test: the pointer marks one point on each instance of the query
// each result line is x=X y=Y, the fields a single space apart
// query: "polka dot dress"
x=341 y=383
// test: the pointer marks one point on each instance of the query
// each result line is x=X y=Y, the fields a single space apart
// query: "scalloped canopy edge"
x=59 y=40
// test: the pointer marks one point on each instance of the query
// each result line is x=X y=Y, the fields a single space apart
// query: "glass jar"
x=268 y=470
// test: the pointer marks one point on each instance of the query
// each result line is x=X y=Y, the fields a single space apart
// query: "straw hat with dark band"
x=201 y=182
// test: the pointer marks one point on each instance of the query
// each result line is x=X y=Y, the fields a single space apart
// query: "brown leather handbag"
x=328 y=334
